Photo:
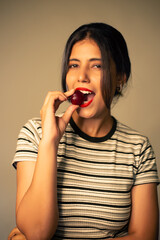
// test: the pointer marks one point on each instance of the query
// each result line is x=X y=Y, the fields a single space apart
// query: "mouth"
x=88 y=96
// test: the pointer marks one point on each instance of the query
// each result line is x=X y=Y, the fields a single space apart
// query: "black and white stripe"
x=95 y=177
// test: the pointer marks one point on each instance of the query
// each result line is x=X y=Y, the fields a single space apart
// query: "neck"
x=94 y=127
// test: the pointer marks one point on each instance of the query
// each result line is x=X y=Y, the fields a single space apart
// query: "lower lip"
x=86 y=104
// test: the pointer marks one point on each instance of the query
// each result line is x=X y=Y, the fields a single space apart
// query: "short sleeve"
x=28 y=142
x=146 y=168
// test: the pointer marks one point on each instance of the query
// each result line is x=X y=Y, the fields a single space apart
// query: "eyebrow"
x=90 y=60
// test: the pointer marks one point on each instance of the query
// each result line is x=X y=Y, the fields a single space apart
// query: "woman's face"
x=85 y=73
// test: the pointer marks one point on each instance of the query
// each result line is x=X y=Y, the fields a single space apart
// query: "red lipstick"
x=88 y=96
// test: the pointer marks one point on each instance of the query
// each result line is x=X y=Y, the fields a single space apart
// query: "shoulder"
x=136 y=142
x=133 y=140
x=32 y=127
x=131 y=135
x=28 y=141
x=34 y=122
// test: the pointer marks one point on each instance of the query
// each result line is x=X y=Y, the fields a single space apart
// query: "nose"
x=83 y=75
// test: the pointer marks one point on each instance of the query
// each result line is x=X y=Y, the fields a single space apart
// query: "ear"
x=124 y=78
x=121 y=80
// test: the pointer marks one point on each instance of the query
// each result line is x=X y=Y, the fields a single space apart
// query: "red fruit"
x=77 y=98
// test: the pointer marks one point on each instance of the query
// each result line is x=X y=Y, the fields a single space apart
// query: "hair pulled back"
x=112 y=46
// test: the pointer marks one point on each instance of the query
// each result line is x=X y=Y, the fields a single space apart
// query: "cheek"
x=67 y=81
x=70 y=79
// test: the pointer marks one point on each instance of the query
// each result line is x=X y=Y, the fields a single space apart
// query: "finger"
x=67 y=115
x=53 y=100
x=13 y=232
x=69 y=93
x=56 y=101
x=53 y=96
x=18 y=237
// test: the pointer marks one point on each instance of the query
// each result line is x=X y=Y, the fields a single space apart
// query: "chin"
x=85 y=113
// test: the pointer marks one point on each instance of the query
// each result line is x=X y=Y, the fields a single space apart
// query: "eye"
x=99 y=66
x=74 y=65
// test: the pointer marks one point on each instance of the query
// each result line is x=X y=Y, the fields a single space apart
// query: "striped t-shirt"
x=95 y=177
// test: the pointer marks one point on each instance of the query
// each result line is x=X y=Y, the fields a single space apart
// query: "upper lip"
x=84 y=89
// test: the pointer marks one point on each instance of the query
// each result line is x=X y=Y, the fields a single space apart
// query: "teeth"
x=85 y=92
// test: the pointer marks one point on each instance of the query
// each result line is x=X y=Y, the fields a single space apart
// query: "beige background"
x=32 y=38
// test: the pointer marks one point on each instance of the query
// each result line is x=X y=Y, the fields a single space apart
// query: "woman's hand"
x=36 y=205
x=53 y=127
x=15 y=234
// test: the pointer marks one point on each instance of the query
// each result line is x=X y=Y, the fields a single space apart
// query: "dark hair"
x=112 y=46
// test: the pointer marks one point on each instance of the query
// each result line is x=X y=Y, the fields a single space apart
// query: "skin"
x=85 y=70
x=36 y=203
x=15 y=234
x=38 y=219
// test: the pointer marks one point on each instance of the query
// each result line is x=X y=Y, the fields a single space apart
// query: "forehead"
x=87 y=47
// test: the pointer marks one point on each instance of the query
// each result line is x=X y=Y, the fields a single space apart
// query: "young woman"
x=85 y=175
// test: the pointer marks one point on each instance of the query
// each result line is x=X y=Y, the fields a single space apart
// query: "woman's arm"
x=37 y=212
x=36 y=205
x=145 y=213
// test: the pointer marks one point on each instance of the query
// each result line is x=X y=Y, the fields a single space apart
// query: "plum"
x=77 y=98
